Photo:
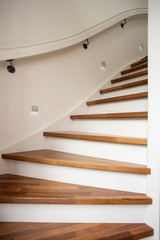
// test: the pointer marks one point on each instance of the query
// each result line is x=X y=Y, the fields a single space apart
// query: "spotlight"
x=85 y=45
x=11 y=68
x=122 y=24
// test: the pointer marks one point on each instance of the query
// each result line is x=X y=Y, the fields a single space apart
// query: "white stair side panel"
x=88 y=177
x=114 y=151
x=71 y=213
x=121 y=127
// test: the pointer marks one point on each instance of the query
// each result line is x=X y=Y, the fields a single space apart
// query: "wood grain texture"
x=97 y=137
x=51 y=157
x=19 y=189
x=143 y=60
x=133 y=69
x=119 y=98
x=74 y=231
x=130 y=76
x=111 y=115
x=124 y=86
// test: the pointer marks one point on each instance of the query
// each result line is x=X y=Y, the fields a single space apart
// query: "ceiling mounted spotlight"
x=85 y=45
x=122 y=24
x=11 y=68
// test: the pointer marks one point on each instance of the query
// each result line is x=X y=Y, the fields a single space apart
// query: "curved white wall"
x=32 y=27
x=58 y=82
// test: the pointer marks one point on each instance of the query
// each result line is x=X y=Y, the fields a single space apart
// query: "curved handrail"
x=52 y=45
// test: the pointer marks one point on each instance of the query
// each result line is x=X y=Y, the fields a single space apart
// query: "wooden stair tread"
x=145 y=65
x=51 y=157
x=74 y=231
x=130 y=76
x=143 y=60
x=119 y=98
x=97 y=137
x=124 y=86
x=20 y=189
x=111 y=115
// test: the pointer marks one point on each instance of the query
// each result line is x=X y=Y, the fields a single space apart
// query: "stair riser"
x=143 y=88
x=114 y=151
x=130 y=76
x=134 y=105
x=109 y=84
x=121 y=127
x=94 y=178
x=71 y=213
x=137 y=69
x=150 y=238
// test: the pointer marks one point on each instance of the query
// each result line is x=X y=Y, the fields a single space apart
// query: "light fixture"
x=11 y=68
x=103 y=66
x=122 y=24
x=34 y=109
x=141 y=47
x=85 y=45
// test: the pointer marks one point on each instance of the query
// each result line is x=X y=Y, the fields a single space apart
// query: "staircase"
x=85 y=196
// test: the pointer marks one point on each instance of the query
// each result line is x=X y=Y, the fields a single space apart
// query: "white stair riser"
x=121 y=127
x=126 y=91
x=122 y=92
x=113 y=151
x=150 y=238
x=88 y=177
x=135 y=105
x=71 y=213
x=109 y=84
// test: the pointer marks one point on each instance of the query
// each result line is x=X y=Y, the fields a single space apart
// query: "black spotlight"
x=11 y=68
x=85 y=45
x=122 y=24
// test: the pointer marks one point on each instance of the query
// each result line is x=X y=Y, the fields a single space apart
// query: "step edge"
x=57 y=162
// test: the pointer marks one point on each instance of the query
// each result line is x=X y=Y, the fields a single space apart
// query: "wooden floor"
x=74 y=231
x=51 y=157
x=19 y=189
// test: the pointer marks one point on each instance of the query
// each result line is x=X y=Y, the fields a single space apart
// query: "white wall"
x=58 y=82
x=30 y=27
x=153 y=183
